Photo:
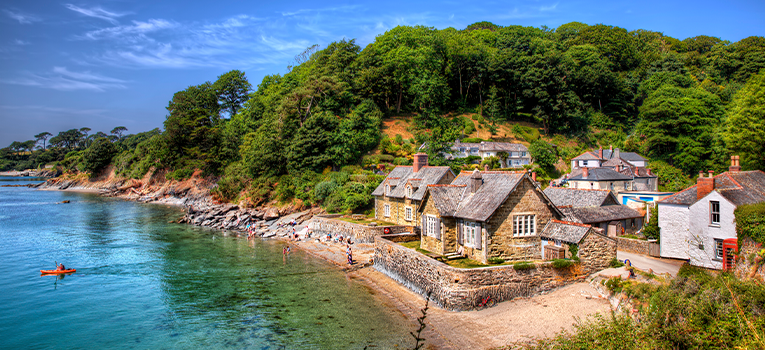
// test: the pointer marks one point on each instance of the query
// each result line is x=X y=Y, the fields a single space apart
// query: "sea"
x=143 y=282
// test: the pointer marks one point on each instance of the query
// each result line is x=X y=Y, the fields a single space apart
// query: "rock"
x=271 y=214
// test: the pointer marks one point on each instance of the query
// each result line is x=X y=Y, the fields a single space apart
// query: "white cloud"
x=97 y=12
x=60 y=78
x=138 y=28
x=20 y=42
x=549 y=8
x=21 y=17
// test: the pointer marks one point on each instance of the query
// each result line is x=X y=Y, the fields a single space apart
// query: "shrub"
x=524 y=265
x=401 y=161
x=324 y=189
x=615 y=284
x=615 y=263
x=180 y=174
x=562 y=263
x=750 y=222
x=496 y=260
x=652 y=229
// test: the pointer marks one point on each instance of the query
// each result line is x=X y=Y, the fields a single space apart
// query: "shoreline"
x=518 y=320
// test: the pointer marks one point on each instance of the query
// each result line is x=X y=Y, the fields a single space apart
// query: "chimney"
x=534 y=176
x=637 y=171
x=734 y=166
x=611 y=148
x=648 y=171
x=600 y=152
x=475 y=181
x=586 y=172
x=420 y=161
x=616 y=154
x=704 y=185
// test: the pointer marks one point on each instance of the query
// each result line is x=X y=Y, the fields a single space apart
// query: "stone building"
x=398 y=198
x=612 y=170
x=487 y=214
x=694 y=222
x=593 y=247
x=598 y=208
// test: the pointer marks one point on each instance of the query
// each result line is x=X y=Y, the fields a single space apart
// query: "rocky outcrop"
x=32 y=173
x=263 y=222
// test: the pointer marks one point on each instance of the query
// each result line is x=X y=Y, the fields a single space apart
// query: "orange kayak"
x=46 y=272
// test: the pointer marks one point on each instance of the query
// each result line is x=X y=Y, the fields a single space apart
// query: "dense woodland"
x=314 y=133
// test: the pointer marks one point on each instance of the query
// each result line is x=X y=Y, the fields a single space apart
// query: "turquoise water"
x=145 y=283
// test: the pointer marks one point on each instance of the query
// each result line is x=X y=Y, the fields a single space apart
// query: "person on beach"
x=284 y=251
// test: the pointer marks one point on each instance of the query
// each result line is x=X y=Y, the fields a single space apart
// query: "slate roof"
x=598 y=174
x=492 y=146
x=742 y=187
x=587 y=156
x=600 y=214
x=446 y=198
x=628 y=156
x=630 y=171
x=579 y=198
x=400 y=175
x=567 y=232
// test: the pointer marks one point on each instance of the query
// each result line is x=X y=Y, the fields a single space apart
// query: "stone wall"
x=358 y=233
x=463 y=289
x=630 y=245
x=748 y=265
x=596 y=251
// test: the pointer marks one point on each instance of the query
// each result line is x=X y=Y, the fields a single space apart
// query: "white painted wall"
x=674 y=221
x=702 y=232
x=580 y=164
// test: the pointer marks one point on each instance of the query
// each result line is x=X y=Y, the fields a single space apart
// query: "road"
x=658 y=265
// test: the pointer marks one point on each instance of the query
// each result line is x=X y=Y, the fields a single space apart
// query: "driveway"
x=658 y=265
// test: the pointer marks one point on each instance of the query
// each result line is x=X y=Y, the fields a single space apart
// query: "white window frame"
x=409 y=191
x=718 y=249
x=469 y=231
x=387 y=189
x=430 y=225
x=714 y=215
x=584 y=163
x=524 y=225
x=408 y=213
x=386 y=210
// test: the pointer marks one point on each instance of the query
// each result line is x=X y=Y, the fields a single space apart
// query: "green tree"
x=543 y=154
x=118 y=131
x=232 y=89
x=98 y=155
x=745 y=127
x=44 y=137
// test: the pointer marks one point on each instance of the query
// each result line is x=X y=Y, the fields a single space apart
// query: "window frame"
x=430 y=225
x=719 y=250
x=714 y=214
x=469 y=231
x=408 y=213
x=524 y=225
x=386 y=210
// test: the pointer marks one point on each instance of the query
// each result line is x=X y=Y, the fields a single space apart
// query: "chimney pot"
x=734 y=167
x=711 y=173
x=610 y=147
x=704 y=185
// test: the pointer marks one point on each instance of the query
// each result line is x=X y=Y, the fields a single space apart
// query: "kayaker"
x=61 y=267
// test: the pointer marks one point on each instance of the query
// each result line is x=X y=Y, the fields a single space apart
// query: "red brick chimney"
x=704 y=185
x=637 y=171
x=734 y=166
x=586 y=172
x=534 y=176
x=420 y=161
x=600 y=152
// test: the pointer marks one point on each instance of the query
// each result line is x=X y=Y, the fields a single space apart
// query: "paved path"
x=658 y=265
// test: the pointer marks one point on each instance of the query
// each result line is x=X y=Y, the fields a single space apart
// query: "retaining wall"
x=360 y=233
x=630 y=245
x=463 y=289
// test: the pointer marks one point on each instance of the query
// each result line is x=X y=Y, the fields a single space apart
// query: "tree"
x=98 y=155
x=119 y=131
x=44 y=137
x=233 y=90
x=543 y=154
x=745 y=129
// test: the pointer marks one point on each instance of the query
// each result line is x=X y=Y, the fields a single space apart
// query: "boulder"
x=271 y=214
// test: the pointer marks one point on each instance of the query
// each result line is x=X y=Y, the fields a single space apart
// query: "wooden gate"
x=654 y=249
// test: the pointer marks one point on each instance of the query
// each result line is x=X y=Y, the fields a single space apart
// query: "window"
x=584 y=163
x=592 y=186
x=612 y=186
x=462 y=149
x=409 y=191
x=408 y=213
x=523 y=154
x=714 y=212
x=387 y=189
x=471 y=231
x=386 y=210
x=430 y=225
x=718 y=249
x=524 y=225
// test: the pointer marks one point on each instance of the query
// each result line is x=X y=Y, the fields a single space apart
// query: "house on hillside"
x=696 y=221
x=517 y=154
x=598 y=208
x=613 y=170
x=486 y=214
x=398 y=198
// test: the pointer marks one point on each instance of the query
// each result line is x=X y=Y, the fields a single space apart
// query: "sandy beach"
x=512 y=321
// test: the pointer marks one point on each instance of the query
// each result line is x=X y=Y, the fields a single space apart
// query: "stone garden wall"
x=463 y=289
x=358 y=232
x=748 y=263
x=630 y=245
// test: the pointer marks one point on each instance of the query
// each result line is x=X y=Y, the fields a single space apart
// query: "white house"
x=517 y=154
x=695 y=222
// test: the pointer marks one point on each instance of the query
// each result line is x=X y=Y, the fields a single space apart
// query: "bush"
x=652 y=229
x=615 y=263
x=496 y=260
x=401 y=161
x=180 y=174
x=473 y=140
x=562 y=263
x=524 y=265
x=324 y=189
x=750 y=222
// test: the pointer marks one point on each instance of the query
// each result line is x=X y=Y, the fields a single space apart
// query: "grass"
x=465 y=263
x=366 y=221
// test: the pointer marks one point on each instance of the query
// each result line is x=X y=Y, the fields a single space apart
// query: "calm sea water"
x=144 y=283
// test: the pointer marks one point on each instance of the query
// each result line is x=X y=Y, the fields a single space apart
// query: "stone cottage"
x=598 y=208
x=398 y=198
x=593 y=247
x=694 y=222
x=613 y=170
x=488 y=214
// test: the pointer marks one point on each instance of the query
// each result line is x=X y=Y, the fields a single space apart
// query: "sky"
x=102 y=64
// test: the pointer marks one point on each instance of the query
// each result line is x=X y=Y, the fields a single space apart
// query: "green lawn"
x=366 y=221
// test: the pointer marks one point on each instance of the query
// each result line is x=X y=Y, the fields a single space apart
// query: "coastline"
x=519 y=320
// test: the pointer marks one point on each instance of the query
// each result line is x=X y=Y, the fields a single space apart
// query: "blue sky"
x=102 y=64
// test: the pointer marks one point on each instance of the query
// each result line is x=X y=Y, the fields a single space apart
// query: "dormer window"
x=409 y=191
x=387 y=189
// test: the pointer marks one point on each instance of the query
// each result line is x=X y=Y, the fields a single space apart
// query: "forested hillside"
x=687 y=104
